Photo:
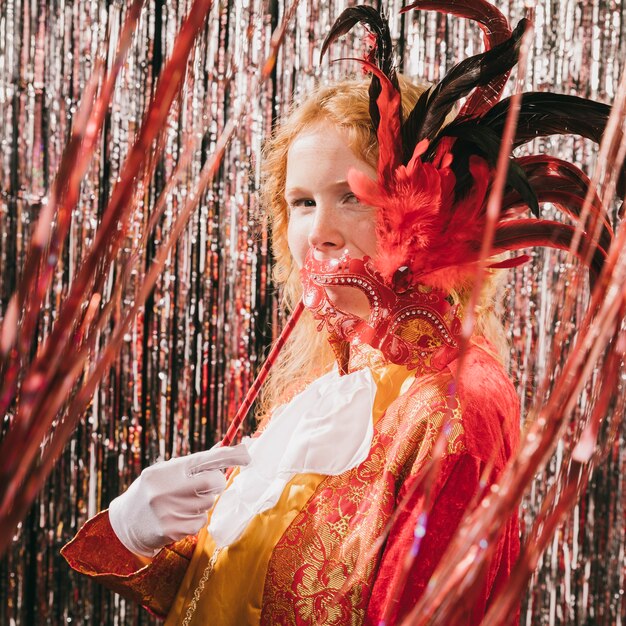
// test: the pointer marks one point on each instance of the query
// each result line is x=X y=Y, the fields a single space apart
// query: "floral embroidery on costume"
x=329 y=542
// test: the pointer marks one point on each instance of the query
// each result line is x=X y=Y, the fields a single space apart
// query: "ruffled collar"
x=302 y=437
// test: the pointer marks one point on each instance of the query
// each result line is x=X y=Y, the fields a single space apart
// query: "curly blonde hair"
x=345 y=104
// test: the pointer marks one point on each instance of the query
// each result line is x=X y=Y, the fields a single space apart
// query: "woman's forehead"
x=321 y=152
x=320 y=131
x=320 y=142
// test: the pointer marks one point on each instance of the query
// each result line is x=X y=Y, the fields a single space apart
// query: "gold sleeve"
x=97 y=552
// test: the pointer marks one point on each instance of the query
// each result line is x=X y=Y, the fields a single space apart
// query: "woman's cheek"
x=297 y=240
x=365 y=236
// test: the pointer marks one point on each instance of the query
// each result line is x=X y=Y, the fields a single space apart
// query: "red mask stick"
x=253 y=392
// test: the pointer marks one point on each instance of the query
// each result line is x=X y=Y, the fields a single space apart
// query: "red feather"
x=495 y=29
x=565 y=185
x=509 y=263
x=420 y=225
x=389 y=136
x=494 y=24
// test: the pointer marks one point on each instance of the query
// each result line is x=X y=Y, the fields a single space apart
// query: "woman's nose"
x=326 y=234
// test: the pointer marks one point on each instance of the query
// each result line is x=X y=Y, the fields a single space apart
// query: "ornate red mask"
x=412 y=325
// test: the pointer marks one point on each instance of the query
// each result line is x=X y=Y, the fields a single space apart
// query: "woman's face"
x=323 y=213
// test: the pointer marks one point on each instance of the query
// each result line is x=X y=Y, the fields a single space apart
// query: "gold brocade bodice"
x=293 y=558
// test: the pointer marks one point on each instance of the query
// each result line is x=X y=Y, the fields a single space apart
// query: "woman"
x=346 y=501
x=404 y=405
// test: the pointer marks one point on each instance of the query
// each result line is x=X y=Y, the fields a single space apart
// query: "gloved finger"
x=207 y=483
x=219 y=458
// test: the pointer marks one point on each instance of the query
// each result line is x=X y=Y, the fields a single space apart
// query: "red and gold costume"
x=360 y=546
x=312 y=557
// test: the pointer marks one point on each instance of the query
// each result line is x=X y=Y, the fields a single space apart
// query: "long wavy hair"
x=307 y=354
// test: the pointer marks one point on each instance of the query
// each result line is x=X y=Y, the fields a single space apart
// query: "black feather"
x=516 y=179
x=543 y=114
x=433 y=106
x=520 y=234
x=384 y=56
x=472 y=139
x=411 y=125
x=468 y=142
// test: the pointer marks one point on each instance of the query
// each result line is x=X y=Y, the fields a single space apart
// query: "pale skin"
x=324 y=214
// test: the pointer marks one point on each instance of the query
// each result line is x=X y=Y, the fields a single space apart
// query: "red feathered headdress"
x=433 y=180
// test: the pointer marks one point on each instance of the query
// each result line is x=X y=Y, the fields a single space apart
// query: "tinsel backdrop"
x=190 y=355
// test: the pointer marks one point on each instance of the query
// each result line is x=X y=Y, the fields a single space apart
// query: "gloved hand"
x=169 y=500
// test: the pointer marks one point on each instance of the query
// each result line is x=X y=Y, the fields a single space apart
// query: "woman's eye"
x=302 y=202
x=351 y=199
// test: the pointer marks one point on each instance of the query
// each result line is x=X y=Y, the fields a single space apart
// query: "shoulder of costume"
x=488 y=402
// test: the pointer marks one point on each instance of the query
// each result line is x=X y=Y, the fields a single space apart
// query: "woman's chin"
x=349 y=300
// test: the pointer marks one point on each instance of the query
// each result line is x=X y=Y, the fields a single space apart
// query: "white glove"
x=169 y=500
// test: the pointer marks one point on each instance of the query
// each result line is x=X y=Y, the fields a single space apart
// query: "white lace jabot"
x=326 y=429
